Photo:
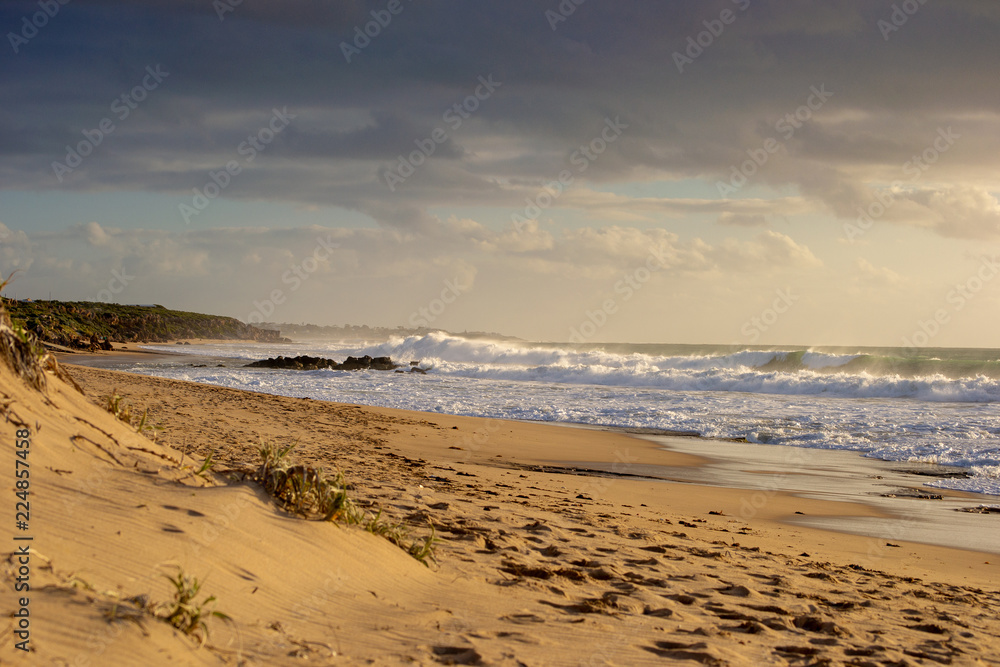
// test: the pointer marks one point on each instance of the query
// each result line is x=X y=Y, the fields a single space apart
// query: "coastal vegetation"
x=89 y=324
x=313 y=493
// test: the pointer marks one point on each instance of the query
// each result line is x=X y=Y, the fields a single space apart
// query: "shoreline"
x=122 y=353
x=108 y=360
x=651 y=471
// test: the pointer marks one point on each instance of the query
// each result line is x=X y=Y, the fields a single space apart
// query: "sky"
x=726 y=171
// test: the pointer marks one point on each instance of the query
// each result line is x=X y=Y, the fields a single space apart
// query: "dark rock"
x=982 y=509
x=307 y=363
x=383 y=364
x=356 y=363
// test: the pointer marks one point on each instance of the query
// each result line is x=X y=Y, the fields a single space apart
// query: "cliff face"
x=83 y=323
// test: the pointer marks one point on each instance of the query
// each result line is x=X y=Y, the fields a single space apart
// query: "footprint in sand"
x=456 y=655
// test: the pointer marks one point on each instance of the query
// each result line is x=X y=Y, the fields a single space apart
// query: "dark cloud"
x=606 y=60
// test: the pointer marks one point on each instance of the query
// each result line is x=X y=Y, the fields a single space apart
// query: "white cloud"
x=767 y=252
x=876 y=277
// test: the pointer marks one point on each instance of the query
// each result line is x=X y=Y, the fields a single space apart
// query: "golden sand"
x=539 y=561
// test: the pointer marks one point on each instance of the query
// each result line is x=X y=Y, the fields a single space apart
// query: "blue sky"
x=275 y=160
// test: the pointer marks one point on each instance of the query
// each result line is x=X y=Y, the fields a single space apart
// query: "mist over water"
x=933 y=405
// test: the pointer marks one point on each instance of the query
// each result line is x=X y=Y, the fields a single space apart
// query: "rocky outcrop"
x=307 y=363
x=99 y=344
x=85 y=324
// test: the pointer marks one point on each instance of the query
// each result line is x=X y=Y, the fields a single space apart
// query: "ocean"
x=898 y=404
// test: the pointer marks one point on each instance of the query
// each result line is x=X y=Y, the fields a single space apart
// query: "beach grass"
x=185 y=612
x=116 y=405
x=312 y=493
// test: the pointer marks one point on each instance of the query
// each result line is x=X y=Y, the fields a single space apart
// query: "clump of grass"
x=185 y=612
x=303 y=489
x=311 y=492
x=116 y=405
x=420 y=548
x=424 y=548
x=207 y=465
x=21 y=350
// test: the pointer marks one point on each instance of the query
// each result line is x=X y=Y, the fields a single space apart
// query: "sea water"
x=898 y=404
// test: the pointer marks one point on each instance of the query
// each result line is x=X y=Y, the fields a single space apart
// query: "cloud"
x=205 y=263
x=768 y=251
x=651 y=190
x=742 y=220
x=354 y=120
x=876 y=278
x=959 y=212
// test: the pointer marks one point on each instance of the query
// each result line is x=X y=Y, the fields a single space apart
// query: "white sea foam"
x=743 y=371
x=933 y=418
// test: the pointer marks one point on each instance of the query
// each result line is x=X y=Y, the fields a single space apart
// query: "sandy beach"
x=556 y=546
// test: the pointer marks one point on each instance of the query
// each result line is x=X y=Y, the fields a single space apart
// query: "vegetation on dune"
x=81 y=324
x=312 y=493
x=185 y=612
x=117 y=406
x=22 y=352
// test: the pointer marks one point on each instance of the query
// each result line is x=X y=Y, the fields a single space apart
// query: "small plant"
x=273 y=457
x=303 y=489
x=394 y=532
x=311 y=492
x=116 y=405
x=422 y=549
x=28 y=339
x=21 y=350
x=207 y=464
x=184 y=612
